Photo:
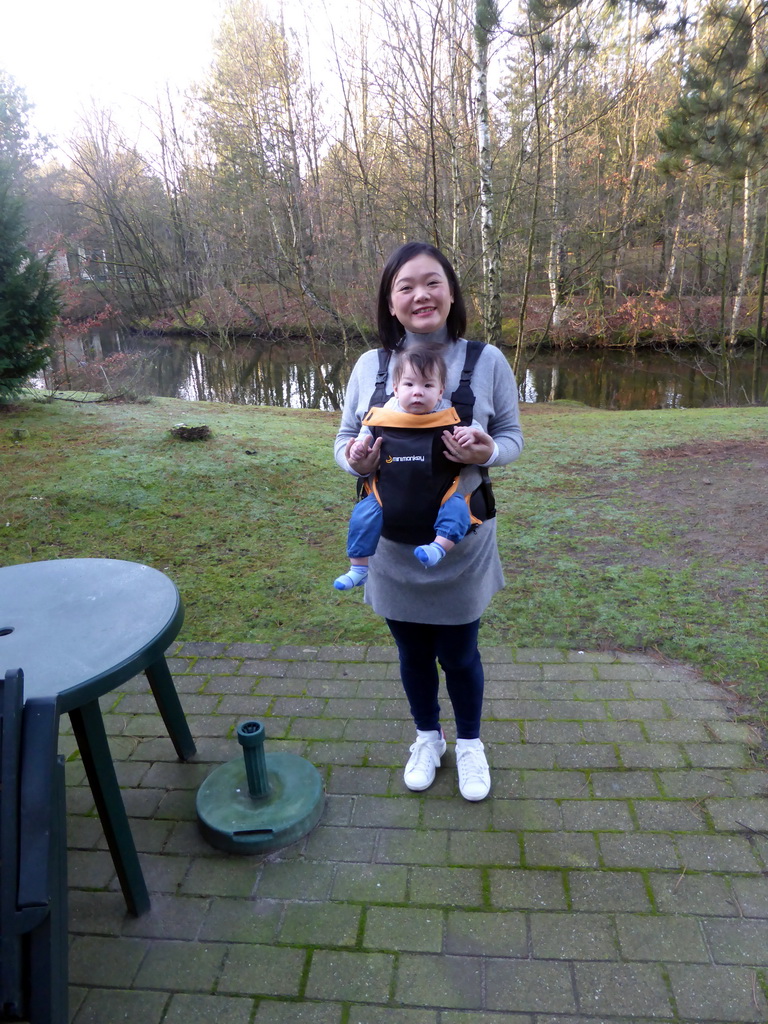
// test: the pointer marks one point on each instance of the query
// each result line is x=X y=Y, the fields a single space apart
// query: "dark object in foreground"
x=261 y=802
x=33 y=881
x=81 y=627
x=184 y=433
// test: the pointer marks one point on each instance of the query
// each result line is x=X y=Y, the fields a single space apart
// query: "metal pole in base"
x=250 y=736
x=260 y=802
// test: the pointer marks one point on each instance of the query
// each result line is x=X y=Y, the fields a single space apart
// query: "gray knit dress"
x=459 y=588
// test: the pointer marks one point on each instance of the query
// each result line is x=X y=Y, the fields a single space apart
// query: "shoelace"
x=472 y=765
x=421 y=756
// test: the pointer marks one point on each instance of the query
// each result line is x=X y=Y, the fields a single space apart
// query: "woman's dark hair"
x=391 y=331
x=426 y=359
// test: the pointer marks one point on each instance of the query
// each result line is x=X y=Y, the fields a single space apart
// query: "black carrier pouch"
x=482 y=502
x=379 y=397
x=463 y=398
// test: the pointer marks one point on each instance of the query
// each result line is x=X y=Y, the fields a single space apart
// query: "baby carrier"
x=414 y=477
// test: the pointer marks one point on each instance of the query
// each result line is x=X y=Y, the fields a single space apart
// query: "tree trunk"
x=669 y=277
x=485 y=20
x=749 y=217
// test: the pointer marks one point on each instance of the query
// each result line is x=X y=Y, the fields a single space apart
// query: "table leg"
x=169 y=705
x=91 y=736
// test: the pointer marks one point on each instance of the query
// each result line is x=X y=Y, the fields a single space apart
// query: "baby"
x=419 y=376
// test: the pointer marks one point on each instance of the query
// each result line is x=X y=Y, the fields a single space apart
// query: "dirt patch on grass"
x=715 y=495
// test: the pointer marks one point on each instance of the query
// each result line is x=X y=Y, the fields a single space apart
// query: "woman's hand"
x=468 y=445
x=362 y=456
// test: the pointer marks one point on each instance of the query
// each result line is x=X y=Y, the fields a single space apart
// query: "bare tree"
x=486 y=23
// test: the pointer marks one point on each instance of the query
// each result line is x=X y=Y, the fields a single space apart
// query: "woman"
x=434 y=616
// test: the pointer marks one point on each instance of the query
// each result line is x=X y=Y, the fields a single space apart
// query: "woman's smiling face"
x=421 y=296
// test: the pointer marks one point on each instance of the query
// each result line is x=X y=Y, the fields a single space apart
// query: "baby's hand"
x=359 y=450
x=362 y=456
x=468 y=445
x=466 y=435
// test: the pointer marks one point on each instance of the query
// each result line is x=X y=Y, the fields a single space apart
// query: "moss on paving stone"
x=616 y=872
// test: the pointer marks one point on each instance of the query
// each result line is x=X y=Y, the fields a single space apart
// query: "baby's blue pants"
x=366 y=521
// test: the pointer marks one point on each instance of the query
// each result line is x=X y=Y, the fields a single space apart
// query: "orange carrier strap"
x=378 y=417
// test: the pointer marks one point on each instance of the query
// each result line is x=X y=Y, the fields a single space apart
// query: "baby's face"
x=418 y=394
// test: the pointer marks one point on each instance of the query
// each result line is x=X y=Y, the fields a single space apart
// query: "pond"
x=282 y=374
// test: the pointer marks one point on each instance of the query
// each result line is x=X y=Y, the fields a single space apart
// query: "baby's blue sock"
x=430 y=554
x=354 y=578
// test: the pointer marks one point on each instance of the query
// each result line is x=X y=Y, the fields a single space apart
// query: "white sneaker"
x=425 y=758
x=474 y=774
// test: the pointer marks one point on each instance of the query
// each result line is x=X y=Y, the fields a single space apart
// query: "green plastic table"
x=80 y=627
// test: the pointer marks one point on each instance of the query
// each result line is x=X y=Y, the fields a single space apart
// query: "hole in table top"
x=5 y=630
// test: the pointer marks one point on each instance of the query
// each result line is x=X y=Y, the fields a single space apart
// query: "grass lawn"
x=600 y=544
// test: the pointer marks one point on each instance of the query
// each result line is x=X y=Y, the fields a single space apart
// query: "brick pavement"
x=616 y=873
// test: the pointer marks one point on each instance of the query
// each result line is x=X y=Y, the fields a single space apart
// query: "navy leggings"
x=420 y=647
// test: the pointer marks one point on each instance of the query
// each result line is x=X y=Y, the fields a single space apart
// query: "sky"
x=116 y=52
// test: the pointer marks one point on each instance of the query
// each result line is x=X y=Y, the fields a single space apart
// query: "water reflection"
x=689 y=379
x=254 y=374
x=284 y=375
x=247 y=377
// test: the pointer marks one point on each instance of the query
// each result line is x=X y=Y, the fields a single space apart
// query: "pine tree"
x=29 y=300
x=720 y=119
